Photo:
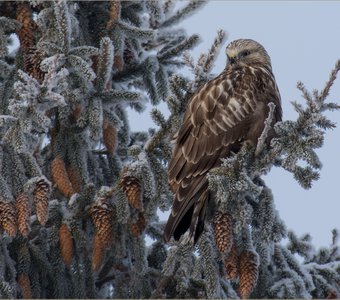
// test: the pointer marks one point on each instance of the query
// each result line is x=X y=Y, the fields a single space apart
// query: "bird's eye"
x=244 y=53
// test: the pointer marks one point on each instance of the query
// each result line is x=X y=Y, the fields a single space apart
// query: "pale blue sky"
x=303 y=40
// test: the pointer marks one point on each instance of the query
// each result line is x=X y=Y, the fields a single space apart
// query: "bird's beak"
x=232 y=57
x=232 y=60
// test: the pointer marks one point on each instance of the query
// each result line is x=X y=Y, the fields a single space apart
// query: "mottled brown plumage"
x=223 y=114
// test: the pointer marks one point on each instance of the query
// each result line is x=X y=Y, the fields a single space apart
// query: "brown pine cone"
x=97 y=253
x=66 y=244
x=118 y=62
x=25 y=33
x=102 y=217
x=8 y=218
x=109 y=136
x=138 y=227
x=132 y=188
x=223 y=232
x=33 y=59
x=114 y=13
x=75 y=114
x=25 y=285
x=41 y=195
x=60 y=176
x=74 y=178
x=231 y=263
x=24 y=213
x=249 y=272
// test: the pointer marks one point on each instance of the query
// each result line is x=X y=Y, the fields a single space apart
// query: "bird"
x=222 y=115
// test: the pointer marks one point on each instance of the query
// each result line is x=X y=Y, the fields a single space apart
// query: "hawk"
x=224 y=113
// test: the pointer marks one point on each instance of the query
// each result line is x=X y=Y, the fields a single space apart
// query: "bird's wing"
x=217 y=118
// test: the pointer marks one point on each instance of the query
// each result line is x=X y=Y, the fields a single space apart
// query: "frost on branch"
x=79 y=190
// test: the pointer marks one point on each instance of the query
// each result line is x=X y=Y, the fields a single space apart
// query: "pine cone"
x=60 y=177
x=223 y=232
x=25 y=33
x=8 y=218
x=109 y=136
x=131 y=187
x=33 y=59
x=114 y=13
x=102 y=217
x=97 y=253
x=248 y=273
x=24 y=213
x=74 y=178
x=75 y=114
x=66 y=244
x=25 y=285
x=118 y=62
x=41 y=195
x=231 y=263
x=138 y=227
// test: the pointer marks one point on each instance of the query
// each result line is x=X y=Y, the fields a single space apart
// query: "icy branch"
x=267 y=126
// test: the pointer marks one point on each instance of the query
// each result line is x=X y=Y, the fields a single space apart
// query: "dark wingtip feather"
x=180 y=229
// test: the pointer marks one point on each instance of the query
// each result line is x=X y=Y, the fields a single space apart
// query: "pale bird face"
x=247 y=52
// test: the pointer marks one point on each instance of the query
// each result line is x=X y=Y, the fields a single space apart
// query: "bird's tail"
x=189 y=209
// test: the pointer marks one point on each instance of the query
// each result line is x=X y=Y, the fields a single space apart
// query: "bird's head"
x=245 y=52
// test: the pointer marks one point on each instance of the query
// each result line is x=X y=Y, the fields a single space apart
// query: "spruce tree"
x=80 y=192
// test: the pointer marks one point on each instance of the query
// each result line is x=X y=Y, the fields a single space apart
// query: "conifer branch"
x=80 y=192
x=267 y=127
x=183 y=13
